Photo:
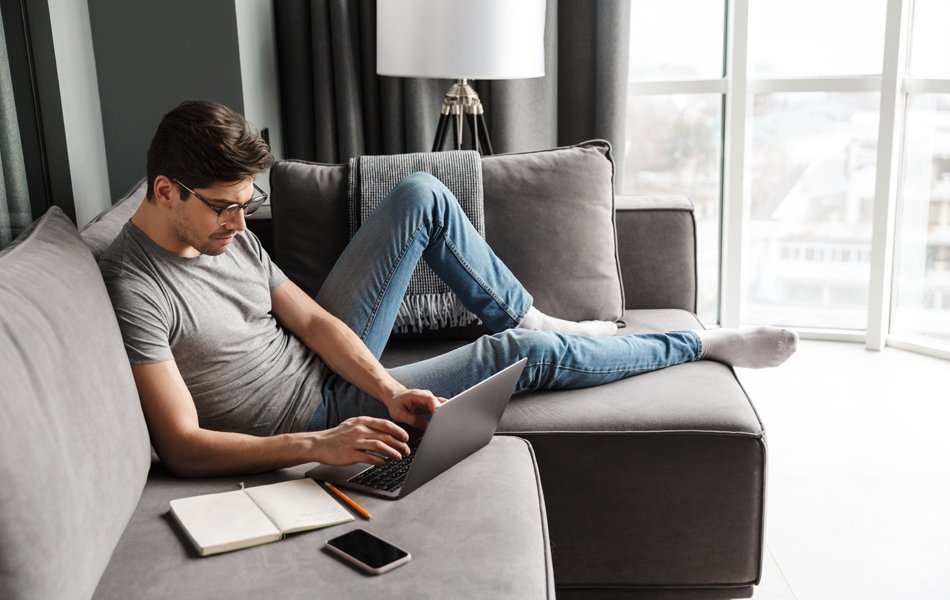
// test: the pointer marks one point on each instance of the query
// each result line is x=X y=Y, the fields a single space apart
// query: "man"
x=238 y=370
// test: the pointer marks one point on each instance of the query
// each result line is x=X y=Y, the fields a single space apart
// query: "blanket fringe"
x=421 y=312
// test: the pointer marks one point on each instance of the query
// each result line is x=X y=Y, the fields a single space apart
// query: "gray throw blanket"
x=429 y=303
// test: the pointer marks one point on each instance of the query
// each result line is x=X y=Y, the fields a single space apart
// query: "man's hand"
x=347 y=356
x=413 y=406
x=363 y=440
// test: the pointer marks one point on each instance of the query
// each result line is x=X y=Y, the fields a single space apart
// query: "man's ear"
x=165 y=191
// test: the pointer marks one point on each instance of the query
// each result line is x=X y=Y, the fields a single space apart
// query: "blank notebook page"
x=218 y=521
x=298 y=505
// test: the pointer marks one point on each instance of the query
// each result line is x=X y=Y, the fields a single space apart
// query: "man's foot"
x=535 y=319
x=751 y=347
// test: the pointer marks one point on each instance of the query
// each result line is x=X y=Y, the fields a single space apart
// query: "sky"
x=683 y=39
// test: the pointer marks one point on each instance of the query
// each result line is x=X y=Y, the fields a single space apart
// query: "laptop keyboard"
x=389 y=476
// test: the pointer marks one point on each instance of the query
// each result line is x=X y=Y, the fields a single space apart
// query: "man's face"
x=197 y=225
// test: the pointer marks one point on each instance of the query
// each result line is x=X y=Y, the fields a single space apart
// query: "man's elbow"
x=184 y=469
x=180 y=465
x=183 y=458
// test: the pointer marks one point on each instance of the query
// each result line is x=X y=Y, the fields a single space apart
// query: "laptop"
x=464 y=424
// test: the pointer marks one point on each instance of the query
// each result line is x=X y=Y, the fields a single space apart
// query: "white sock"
x=751 y=347
x=535 y=319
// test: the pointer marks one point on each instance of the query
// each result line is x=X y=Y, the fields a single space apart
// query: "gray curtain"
x=15 y=212
x=335 y=106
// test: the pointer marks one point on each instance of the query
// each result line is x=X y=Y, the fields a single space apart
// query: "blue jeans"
x=421 y=219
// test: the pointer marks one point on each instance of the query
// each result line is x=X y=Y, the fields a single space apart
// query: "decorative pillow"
x=310 y=218
x=72 y=436
x=548 y=214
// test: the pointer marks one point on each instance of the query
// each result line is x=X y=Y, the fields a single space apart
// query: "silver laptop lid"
x=461 y=426
x=458 y=428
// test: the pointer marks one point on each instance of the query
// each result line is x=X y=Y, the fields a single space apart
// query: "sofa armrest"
x=656 y=241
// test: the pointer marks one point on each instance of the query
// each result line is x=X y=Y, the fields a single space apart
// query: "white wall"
x=82 y=116
x=258 y=50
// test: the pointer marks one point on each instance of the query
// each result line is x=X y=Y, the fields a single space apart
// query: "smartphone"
x=367 y=551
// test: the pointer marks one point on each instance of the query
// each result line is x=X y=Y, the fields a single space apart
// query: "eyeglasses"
x=227 y=212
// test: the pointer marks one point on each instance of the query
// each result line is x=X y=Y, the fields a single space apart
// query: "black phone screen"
x=367 y=548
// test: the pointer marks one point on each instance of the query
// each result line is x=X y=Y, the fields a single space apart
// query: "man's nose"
x=238 y=222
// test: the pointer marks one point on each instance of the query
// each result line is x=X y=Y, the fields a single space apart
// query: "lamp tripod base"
x=460 y=106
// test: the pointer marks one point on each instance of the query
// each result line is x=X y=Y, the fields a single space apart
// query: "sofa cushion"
x=99 y=233
x=503 y=554
x=549 y=215
x=73 y=440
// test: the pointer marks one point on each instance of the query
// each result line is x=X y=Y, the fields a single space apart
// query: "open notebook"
x=247 y=517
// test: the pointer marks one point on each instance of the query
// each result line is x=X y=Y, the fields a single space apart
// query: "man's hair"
x=203 y=143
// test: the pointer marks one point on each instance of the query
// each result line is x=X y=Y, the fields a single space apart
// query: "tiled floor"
x=859 y=474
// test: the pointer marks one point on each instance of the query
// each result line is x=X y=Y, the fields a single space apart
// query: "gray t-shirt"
x=211 y=314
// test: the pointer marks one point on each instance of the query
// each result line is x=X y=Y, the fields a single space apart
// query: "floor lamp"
x=461 y=40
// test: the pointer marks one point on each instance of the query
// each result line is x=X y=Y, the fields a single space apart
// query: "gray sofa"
x=653 y=487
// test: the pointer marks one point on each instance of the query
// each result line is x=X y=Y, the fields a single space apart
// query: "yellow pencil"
x=351 y=502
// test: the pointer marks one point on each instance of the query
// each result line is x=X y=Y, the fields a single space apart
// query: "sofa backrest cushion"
x=74 y=446
x=550 y=217
x=99 y=233
x=548 y=214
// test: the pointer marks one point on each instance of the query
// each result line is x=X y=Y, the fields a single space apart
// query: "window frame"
x=39 y=105
x=738 y=91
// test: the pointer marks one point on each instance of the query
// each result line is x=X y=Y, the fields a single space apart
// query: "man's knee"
x=419 y=191
x=511 y=345
x=420 y=185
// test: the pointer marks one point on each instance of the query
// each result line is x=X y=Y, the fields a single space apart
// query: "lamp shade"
x=460 y=39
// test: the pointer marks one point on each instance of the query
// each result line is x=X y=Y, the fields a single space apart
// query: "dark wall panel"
x=149 y=57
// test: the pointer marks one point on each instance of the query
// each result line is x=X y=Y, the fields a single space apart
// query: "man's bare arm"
x=190 y=451
x=346 y=354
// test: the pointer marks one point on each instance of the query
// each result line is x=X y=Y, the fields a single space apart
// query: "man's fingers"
x=381 y=447
x=420 y=421
x=382 y=425
x=370 y=459
x=386 y=439
x=399 y=445
x=426 y=403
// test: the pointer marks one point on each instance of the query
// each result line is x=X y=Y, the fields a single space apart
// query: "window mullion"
x=734 y=182
x=888 y=172
x=815 y=84
x=926 y=86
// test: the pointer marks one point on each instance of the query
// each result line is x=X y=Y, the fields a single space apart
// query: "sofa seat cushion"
x=503 y=552
x=677 y=454
x=698 y=396
x=72 y=436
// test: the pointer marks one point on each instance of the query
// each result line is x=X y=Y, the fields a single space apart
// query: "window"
x=674 y=139
x=666 y=47
x=929 y=43
x=812 y=162
x=675 y=142
x=815 y=38
x=34 y=159
x=799 y=157
x=921 y=283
